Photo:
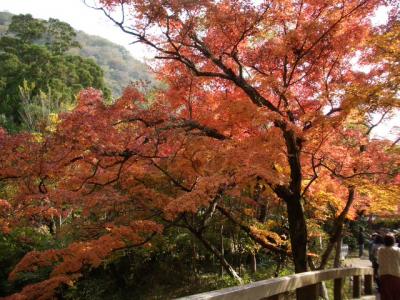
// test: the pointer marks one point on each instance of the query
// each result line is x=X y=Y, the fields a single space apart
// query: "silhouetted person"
x=361 y=242
x=389 y=269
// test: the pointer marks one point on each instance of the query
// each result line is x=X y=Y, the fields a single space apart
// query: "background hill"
x=120 y=68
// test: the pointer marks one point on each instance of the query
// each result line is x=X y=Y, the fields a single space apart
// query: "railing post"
x=356 y=286
x=337 y=289
x=309 y=292
x=275 y=297
x=368 y=284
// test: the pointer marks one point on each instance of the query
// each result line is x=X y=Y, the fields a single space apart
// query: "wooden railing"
x=275 y=289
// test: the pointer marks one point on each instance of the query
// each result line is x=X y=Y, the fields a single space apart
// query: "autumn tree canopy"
x=288 y=61
x=263 y=107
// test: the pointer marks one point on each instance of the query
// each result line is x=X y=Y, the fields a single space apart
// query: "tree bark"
x=247 y=229
x=221 y=272
x=253 y=262
x=337 y=231
x=292 y=197
x=195 y=257
x=336 y=263
x=298 y=234
x=280 y=262
x=263 y=213
x=228 y=268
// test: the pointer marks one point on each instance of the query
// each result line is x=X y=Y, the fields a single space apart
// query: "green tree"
x=120 y=68
x=26 y=28
x=60 y=36
x=34 y=51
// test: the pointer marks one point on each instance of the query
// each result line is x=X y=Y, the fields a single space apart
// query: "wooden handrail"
x=269 y=288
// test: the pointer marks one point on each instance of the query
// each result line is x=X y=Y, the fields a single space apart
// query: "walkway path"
x=360 y=262
x=357 y=262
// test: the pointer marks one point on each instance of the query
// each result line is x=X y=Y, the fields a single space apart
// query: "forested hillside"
x=5 y=19
x=39 y=78
x=119 y=67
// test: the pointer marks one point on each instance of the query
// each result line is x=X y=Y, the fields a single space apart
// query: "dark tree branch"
x=175 y=181
x=338 y=228
x=263 y=242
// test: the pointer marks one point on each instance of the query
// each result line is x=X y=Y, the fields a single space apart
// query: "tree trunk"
x=195 y=257
x=337 y=231
x=323 y=291
x=336 y=263
x=221 y=272
x=246 y=228
x=240 y=264
x=292 y=196
x=228 y=268
x=253 y=262
x=298 y=241
x=280 y=262
x=263 y=213
x=298 y=234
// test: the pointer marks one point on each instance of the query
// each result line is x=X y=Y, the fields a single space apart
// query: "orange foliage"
x=260 y=107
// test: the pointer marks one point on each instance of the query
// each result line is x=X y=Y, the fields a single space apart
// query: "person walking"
x=377 y=243
x=389 y=269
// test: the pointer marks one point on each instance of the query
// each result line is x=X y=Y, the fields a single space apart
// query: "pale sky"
x=81 y=17
x=91 y=21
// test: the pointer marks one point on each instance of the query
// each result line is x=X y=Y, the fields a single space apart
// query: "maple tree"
x=263 y=108
x=290 y=62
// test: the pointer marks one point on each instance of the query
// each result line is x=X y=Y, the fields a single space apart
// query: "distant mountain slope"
x=5 y=19
x=120 y=68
